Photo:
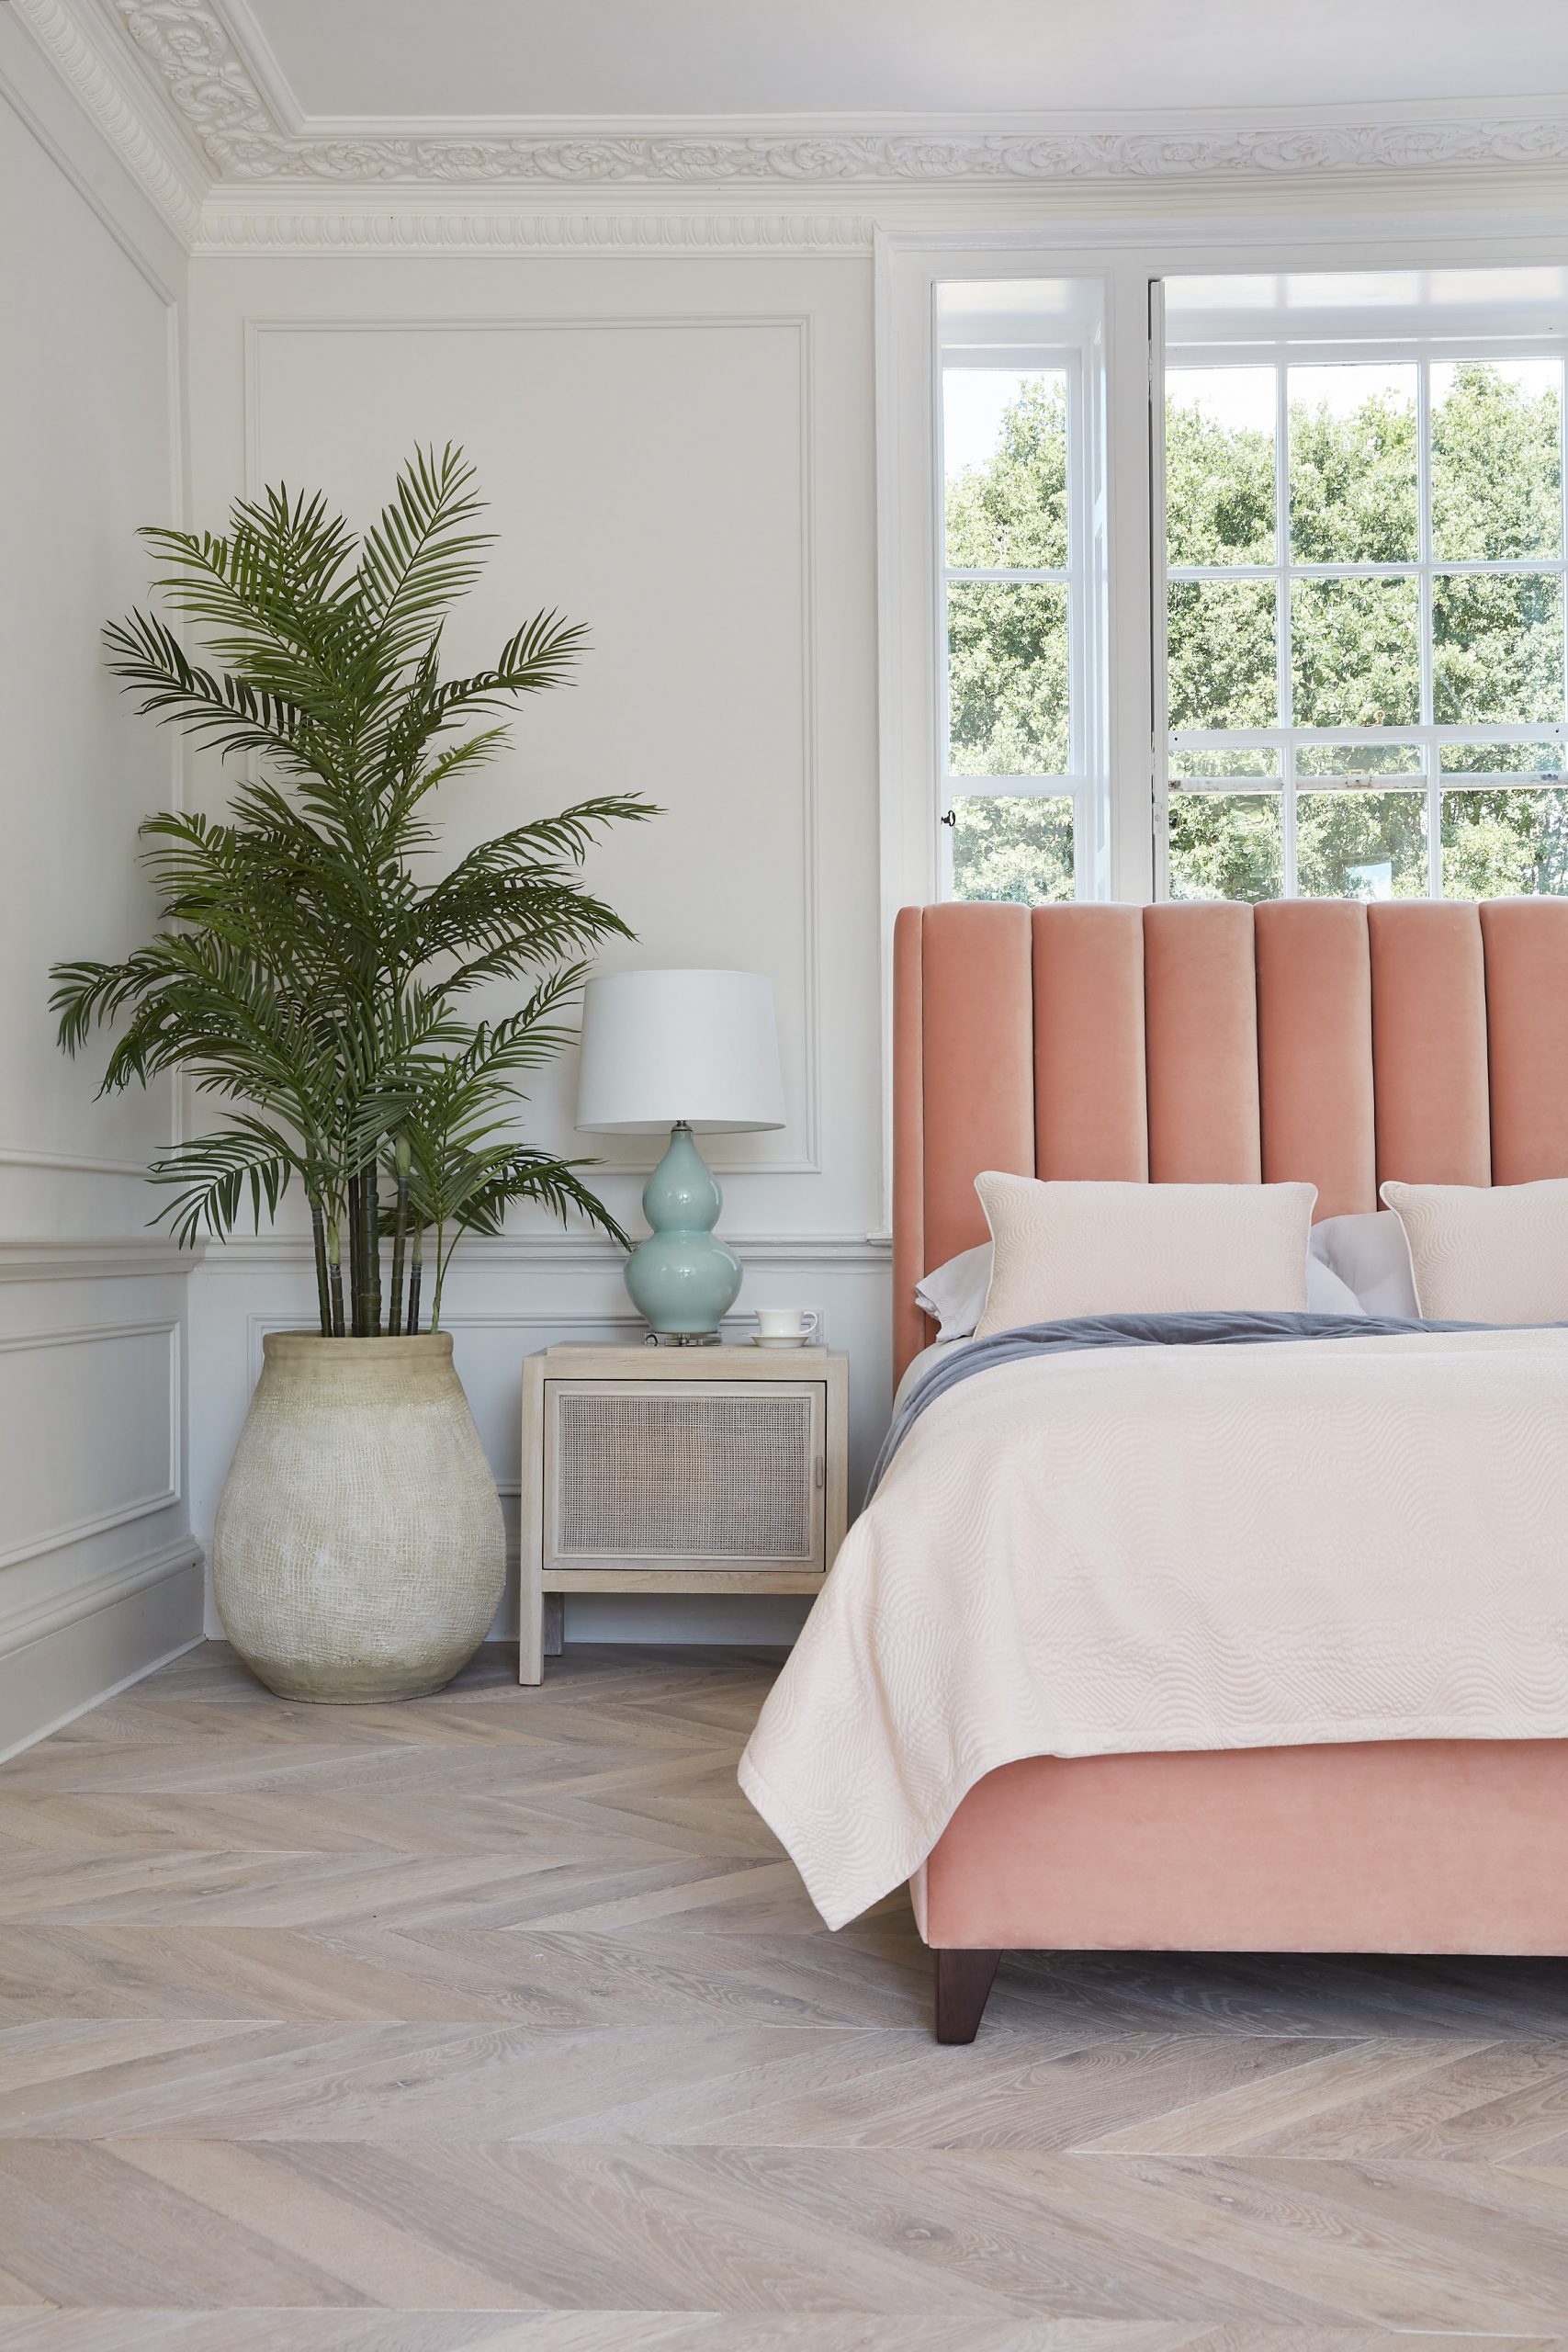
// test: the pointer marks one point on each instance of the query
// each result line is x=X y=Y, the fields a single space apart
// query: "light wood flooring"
x=498 y=2022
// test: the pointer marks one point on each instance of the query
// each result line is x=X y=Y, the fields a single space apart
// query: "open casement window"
x=1013 y=626
x=1364 y=611
x=992 y=575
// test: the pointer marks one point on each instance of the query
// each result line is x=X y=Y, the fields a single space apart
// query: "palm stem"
x=371 y=1213
x=399 y=1234
x=334 y=1272
x=441 y=1258
x=416 y=1270
x=323 y=1290
x=356 y=1259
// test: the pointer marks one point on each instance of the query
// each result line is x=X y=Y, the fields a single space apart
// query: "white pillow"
x=953 y=1295
x=1327 y=1292
x=1071 y=1248
x=1487 y=1253
x=1369 y=1254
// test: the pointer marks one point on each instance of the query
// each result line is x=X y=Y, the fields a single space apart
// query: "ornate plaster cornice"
x=902 y=160
x=400 y=188
x=242 y=224
x=172 y=176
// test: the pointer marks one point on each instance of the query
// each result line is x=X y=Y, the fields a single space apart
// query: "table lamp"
x=697 y=1053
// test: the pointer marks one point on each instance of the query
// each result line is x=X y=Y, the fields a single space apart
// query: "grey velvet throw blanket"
x=1229 y=1329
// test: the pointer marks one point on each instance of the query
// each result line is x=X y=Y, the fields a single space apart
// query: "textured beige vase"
x=358 y=1553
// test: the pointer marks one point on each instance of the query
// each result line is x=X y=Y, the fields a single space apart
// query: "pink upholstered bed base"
x=1421 y=1845
x=1307 y=1040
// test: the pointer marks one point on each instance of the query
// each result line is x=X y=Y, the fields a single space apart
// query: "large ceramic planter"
x=358 y=1553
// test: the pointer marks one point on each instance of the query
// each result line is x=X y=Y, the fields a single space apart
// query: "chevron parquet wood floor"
x=498 y=2023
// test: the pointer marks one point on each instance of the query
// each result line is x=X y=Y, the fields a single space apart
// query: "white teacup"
x=785 y=1322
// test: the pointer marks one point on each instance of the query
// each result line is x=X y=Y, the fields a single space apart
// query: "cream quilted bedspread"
x=1157 y=1548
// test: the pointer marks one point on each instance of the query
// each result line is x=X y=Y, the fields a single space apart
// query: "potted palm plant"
x=312 y=973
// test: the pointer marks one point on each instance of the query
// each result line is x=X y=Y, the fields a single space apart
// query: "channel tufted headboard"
x=1315 y=1040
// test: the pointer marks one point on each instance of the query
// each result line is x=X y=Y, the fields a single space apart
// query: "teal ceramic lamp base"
x=681 y=1281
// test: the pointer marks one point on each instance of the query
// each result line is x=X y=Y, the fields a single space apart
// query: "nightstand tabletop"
x=586 y=1360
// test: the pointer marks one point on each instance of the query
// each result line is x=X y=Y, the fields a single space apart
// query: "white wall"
x=678 y=451
x=99 y=1576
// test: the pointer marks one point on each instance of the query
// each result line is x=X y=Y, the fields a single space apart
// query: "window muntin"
x=1365 y=603
x=1011 y=623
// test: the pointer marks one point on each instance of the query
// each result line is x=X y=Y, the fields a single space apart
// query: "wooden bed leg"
x=964 y=1980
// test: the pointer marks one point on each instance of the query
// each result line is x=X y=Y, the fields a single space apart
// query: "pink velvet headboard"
x=1315 y=1040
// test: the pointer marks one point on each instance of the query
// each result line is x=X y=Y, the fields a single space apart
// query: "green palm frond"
x=215 y=1174
x=521 y=1174
x=307 y=972
x=421 y=555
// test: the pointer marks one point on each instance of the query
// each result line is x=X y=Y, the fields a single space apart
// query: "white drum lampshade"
x=697 y=1053
x=696 y=1049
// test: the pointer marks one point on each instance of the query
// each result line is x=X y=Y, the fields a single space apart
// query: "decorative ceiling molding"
x=156 y=156
x=206 y=126
x=244 y=226
x=635 y=162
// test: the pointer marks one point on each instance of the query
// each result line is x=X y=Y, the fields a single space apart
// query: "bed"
x=1324 y=1042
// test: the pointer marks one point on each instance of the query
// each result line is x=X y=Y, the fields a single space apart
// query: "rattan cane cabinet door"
x=728 y=1476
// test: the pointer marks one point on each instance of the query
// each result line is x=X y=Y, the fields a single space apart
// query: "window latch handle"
x=951 y=818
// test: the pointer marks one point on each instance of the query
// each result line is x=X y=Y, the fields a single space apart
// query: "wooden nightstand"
x=678 y=1470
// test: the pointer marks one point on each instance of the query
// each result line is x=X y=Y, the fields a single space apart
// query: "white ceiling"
x=412 y=62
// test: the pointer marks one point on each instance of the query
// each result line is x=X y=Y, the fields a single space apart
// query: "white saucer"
x=801 y=1339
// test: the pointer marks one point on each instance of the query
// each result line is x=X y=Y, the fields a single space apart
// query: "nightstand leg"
x=553 y=1627
x=530 y=1625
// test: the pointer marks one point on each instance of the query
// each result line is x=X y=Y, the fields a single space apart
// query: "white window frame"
x=1485 y=224
x=912 y=572
x=1424 y=351
x=1078 y=576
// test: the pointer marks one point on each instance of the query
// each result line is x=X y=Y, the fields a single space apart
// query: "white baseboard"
x=89 y=1645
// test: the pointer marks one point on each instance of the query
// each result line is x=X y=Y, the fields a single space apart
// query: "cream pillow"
x=1065 y=1249
x=1487 y=1253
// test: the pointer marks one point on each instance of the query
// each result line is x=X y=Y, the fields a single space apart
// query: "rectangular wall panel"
x=88 y=1433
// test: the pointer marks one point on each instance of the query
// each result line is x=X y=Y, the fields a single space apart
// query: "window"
x=1010 y=613
x=992 y=582
x=1364 y=602
x=1233 y=586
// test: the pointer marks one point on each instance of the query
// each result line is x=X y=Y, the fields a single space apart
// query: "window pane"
x=1259 y=764
x=1354 y=658
x=1496 y=648
x=1502 y=759
x=1220 y=654
x=1005 y=457
x=1011 y=848
x=1353 y=465
x=1219 y=464
x=1227 y=845
x=1496 y=458
x=1006 y=651
x=1504 y=842
x=1352 y=762
x=1361 y=844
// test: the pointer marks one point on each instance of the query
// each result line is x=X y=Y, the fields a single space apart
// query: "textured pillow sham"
x=1487 y=1253
x=1065 y=1249
x=1368 y=1250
